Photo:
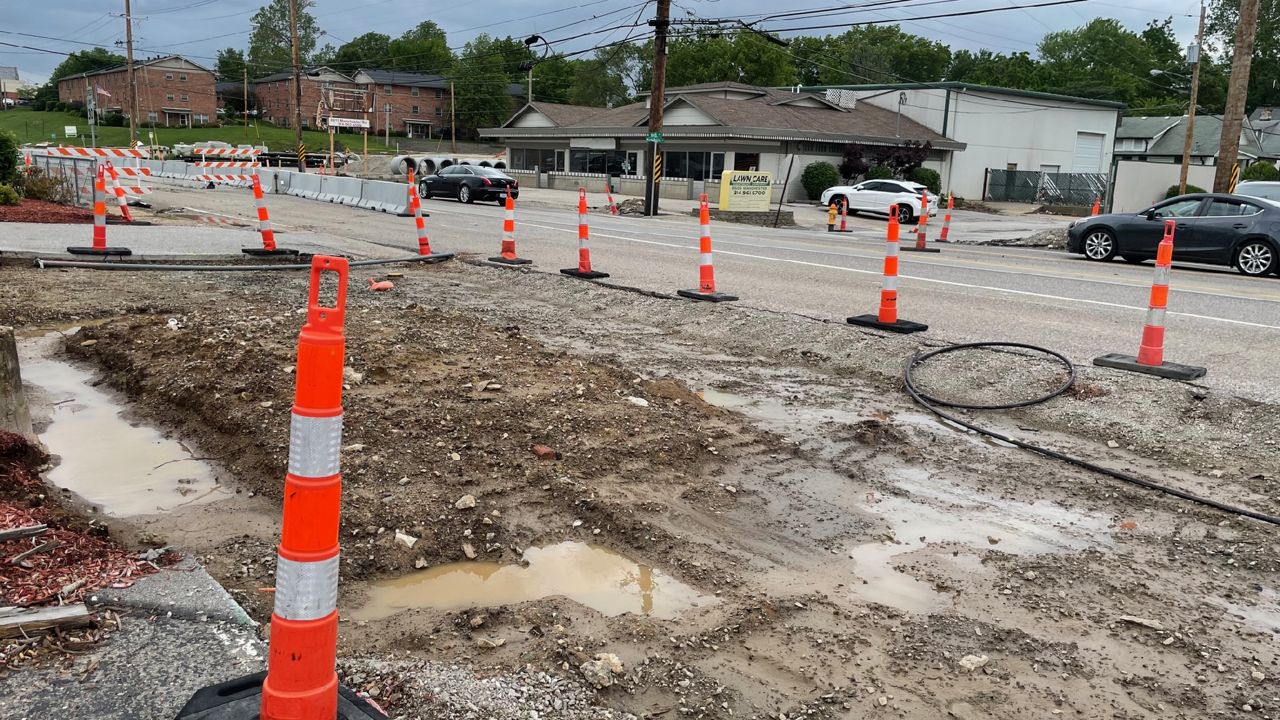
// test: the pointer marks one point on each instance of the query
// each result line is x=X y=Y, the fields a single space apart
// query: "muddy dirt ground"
x=848 y=554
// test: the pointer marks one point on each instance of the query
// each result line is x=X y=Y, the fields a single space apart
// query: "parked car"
x=1235 y=230
x=469 y=183
x=1260 y=189
x=875 y=196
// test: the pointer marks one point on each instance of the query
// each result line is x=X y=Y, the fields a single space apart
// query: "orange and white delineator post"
x=706 y=268
x=269 y=246
x=945 y=237
x=301 y=679
x=1097 y=206
x=887 y=318
x=584 y=270
x=922 y=232
x=121 y=201
x=415 y=205
x=1150 y=358
x=508 y=255
x=100 y=221
x=844 y=217
x=608 y=193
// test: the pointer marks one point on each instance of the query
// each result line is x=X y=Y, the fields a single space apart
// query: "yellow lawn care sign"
x=748 y=191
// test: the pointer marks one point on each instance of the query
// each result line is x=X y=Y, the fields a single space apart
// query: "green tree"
x=740 y=57
x=984 y=67
x=482 y=98
x=270 y=46
x=598 y=83
x=370 y=50
x=81 y=61
x=1099 y=60
x=554 y=79
x=870 y=54
x=8 y=157
x=423 y=49
x=1264 y=77
x=230 y=65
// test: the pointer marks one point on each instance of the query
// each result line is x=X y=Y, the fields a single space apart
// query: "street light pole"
x=1191 y=110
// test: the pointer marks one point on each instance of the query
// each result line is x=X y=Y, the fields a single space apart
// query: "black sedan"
x=469 y=183
x=1241 y=232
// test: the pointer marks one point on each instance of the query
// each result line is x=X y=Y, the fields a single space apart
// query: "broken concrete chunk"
x=466 y=502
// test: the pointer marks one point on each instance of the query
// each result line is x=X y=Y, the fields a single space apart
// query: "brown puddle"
x=597 y=578
x=122 y=468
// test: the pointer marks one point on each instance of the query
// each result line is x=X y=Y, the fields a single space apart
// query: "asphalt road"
x=1218 y=319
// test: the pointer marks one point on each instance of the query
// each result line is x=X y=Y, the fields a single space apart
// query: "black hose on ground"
x=43 y=263
x=934 y=405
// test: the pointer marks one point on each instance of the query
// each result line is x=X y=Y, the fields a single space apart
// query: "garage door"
x=1088 y=152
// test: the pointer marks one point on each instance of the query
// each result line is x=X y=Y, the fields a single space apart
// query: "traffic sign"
x=653 y=137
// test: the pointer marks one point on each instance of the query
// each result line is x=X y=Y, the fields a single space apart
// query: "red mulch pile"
x=39 y=211
x=83 y=560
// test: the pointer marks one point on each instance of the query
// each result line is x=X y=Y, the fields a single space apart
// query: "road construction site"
x=569 y=499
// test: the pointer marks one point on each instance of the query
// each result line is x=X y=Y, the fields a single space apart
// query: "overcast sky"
x=199 y=28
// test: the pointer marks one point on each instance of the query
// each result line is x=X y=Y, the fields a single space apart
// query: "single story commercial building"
x=1001 y=128
x=707 y=129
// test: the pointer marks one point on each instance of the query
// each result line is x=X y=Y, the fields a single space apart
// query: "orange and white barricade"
x=1150 y=357
x=887 y=318
x=584 y=270
x=706 y=266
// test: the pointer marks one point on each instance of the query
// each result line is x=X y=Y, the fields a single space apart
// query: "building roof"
x=8 y=73
x=970 y=87
x=1266 y=124
x=230 y=87
x=764 y=115
x=399 y=77
x=306 y=72
x=1167 y=135
x=137 y=64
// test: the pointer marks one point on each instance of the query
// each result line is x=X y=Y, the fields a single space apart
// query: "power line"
x=961 y=13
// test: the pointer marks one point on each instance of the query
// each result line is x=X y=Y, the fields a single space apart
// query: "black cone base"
x=1172 y=371
x=263 y=252
x=109 y=251
x=241 y=699
x=913 y=248
x=590 y=275
x=715 y=297
x=515 y=261
x=901 y=326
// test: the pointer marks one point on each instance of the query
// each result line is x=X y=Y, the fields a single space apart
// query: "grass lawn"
x=33 y=127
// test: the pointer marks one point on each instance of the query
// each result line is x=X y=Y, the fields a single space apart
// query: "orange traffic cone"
x=100 y=222
x=887 y=318
x=1097 y=206
x=706 y=270
x=583 y=270
x=508 y=255
x=264 y=226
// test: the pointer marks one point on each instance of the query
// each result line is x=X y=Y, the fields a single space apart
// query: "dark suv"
x=1242 y=232
x=469 y=183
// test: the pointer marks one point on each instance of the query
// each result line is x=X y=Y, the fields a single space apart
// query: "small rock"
x=420 y=563
x=1144 y=622
x=477 y=621
x=1246 y=707
x=600 y=672
x=731 y=489
x=883 y=700
x=266 y=405
x=973 y=662
x=466 y=502
x=637 y=401
x=488 y=643
x=1169 y=640
x=455 y=456
x=469 y=550
x=404 y=481
x=353 y=448
x=577 y=523
x=406 y=539
x=88 y=343
x=1030 y=575
x=287 y=369
x=350 y=375
x=1258 y=676
x=1113 y=444
x=545 y=453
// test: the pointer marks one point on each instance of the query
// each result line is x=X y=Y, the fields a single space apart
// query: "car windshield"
x=1266 y=192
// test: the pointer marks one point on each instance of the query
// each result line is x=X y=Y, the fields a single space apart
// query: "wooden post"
x=14 y=415
x=366 y=152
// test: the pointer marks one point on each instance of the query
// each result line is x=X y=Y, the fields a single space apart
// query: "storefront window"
x=693 y=165
x=600 y=162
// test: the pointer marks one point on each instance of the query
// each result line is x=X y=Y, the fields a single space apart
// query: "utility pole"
x=297 y=87
x=133 y=88
x=530 y=97
x=1191 y=111
x=386 y=123
x=657 y=98
x=246 y=101
x=453 y=121
x=1237 y=93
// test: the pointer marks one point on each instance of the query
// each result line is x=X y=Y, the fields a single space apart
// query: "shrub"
x=818 y=177
x=113 y=120
x=879 y=172
x=8 y=157
x=928 y=178
x=1173 y=191
x=34 y=184
x=1261 y=170
x=8 y=196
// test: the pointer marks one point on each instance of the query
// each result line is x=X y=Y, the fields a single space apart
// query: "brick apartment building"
x=172 y=91
x=274 y=96
x=406 y=102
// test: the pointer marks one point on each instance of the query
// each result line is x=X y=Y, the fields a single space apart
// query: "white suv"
x=875 y=196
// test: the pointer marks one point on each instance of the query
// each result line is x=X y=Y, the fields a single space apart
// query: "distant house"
x=172 y=91
x=10 y=84
x=707 y=128
x=1001 y=128
x=1265 y=122
x=1161 y=140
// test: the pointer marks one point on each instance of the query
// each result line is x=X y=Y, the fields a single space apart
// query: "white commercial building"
x=1001 y=128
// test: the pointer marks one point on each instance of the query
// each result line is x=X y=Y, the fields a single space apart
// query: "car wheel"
x=1133 y=259
x=905 y=215
x=1255 y=257
x=464 y=194
x=424 y=190
x=1100 y=245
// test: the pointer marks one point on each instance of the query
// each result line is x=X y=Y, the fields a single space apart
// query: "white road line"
x=950 y=283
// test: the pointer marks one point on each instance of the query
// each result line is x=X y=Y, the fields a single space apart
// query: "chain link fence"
x=1044 y=188
x=77 y=175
